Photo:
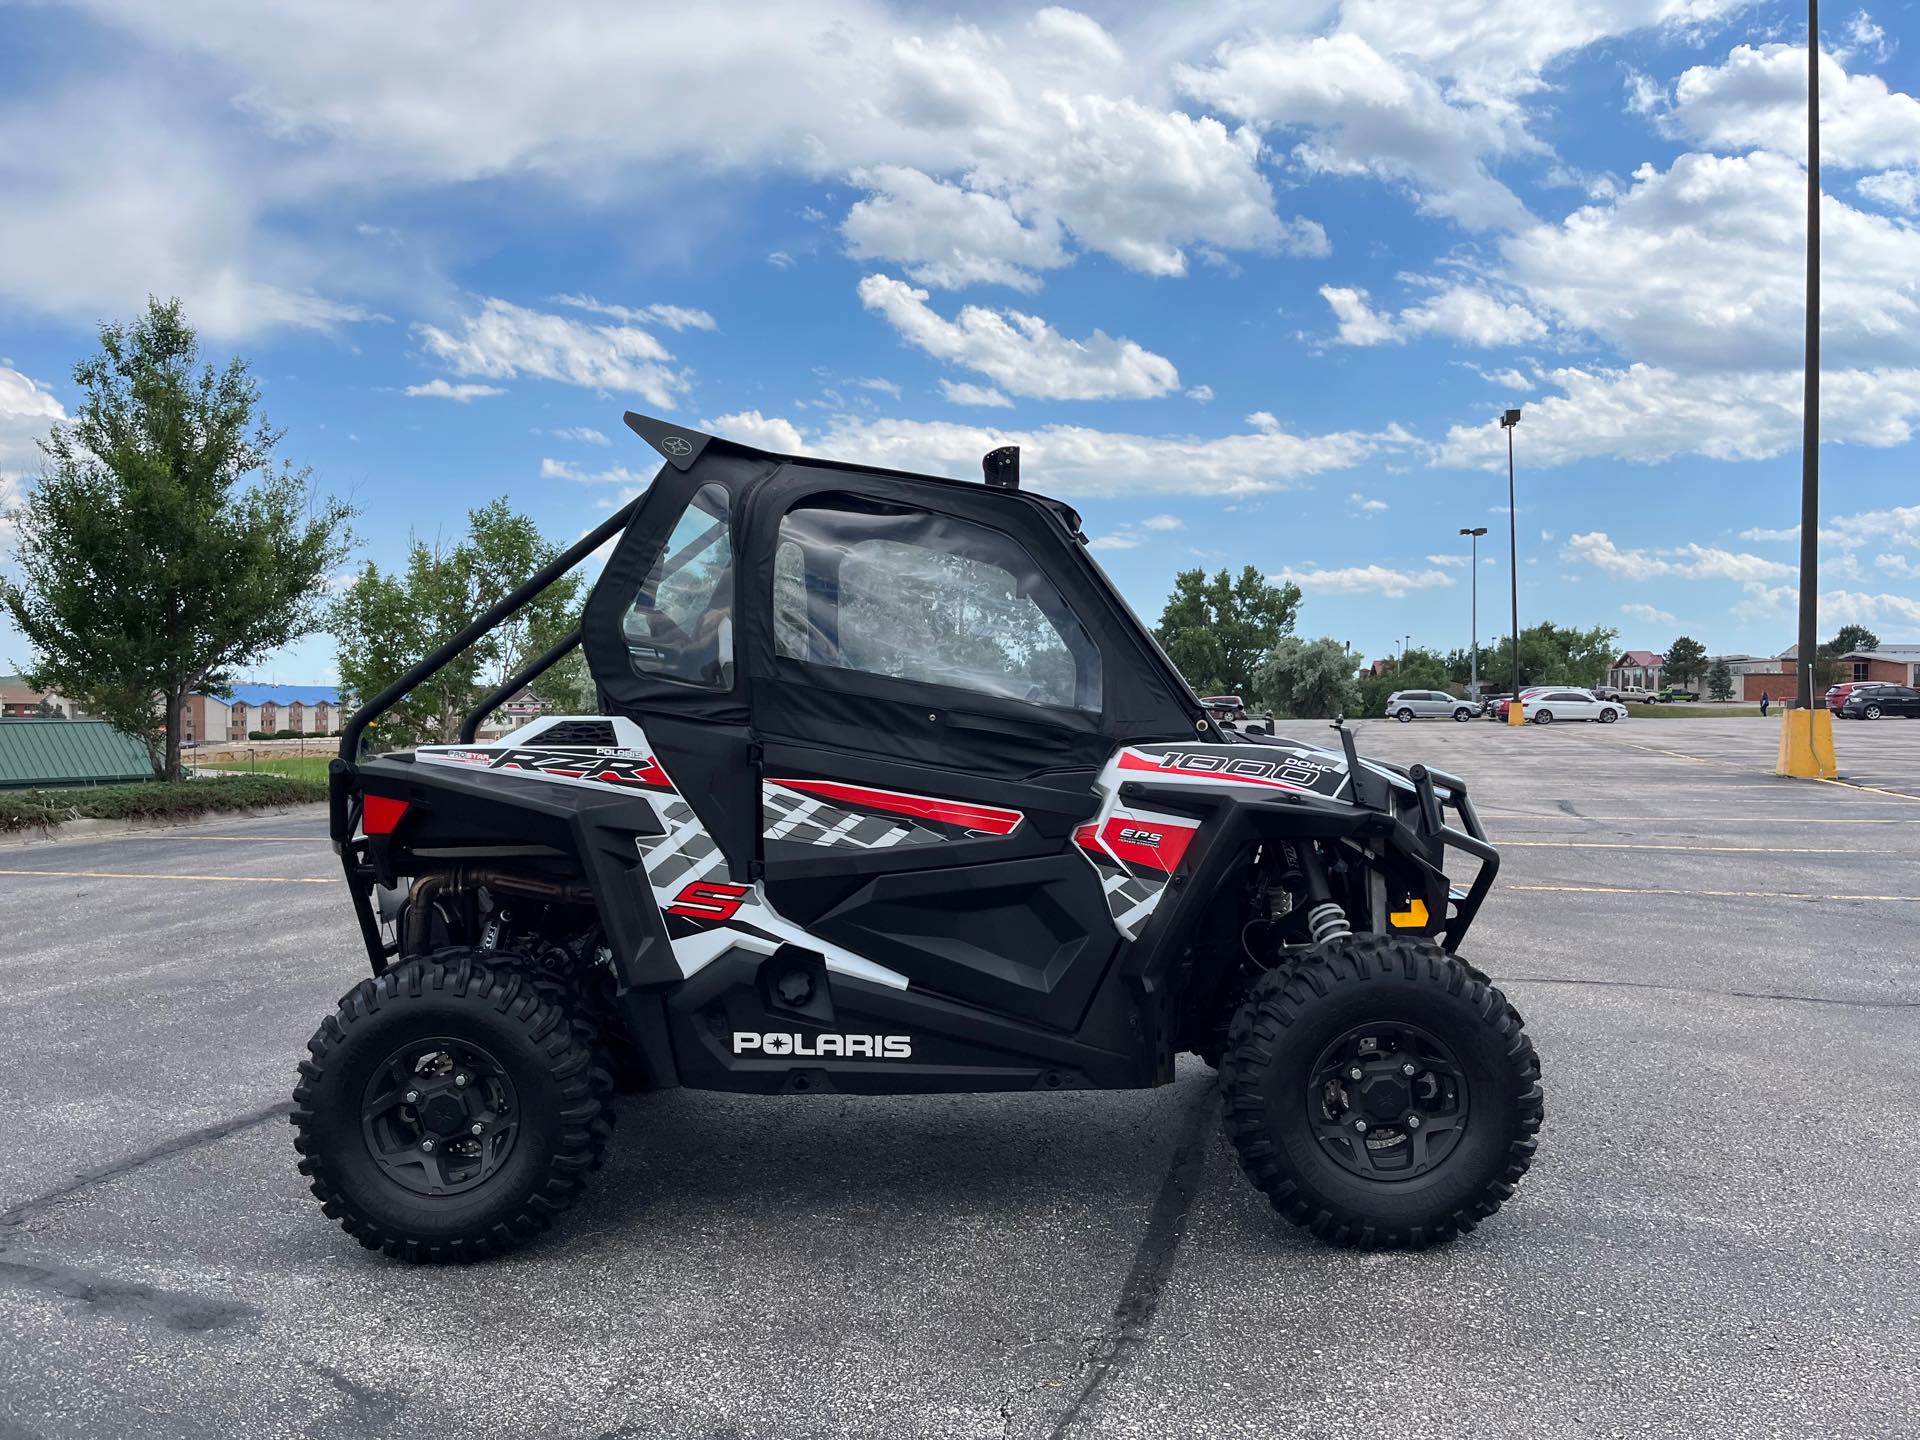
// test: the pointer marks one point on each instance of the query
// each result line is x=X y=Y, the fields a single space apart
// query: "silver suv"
x=1404 y=705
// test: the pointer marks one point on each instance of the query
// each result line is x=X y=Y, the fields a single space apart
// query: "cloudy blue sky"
x=1249 y=283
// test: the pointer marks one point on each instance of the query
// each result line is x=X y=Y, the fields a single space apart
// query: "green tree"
x=1416 y=669
x=386 y=623
x=1217 y=631
x=164 y=547
x=1826 y=659
x=1307 y=679
x=1550 y=654
x=1686 y=661
x=1720 y=681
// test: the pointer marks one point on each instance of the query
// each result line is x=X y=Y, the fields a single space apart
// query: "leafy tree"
x=1826 y=659
x=163 y=547
x=1686 y=661
x=1217 y=631
x=1307 y=679
x=1550 y=654
x=386 y=623
x=1720 y=681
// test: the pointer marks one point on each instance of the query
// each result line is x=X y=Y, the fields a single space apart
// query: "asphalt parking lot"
x=1719 y=1237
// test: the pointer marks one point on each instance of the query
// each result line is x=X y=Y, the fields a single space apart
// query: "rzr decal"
x=858 y=817
x=605 y=768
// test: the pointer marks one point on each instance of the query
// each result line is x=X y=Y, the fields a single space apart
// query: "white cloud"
x=1702 y=266
x=582 y=435
x=1652 y=615
x=1365 y=580
x=1511 y=379
x=1757 y=100
x=880 y=384
x=1202 y=393
x=1684 y=562
x=673 y=317
x=438 y=389
x=1363 y=503
x=1073 y=459
x=964 y=392
x=1450 y=562
x=948 y=236
x=1119 y=540
x=1458 y=312
x=1163 y=523
x=1836 y=607
x=501 y=341
x=27 y=411
x=1649 y=414
x=1368 y=114
x=780 y=260
x=610 y=475
x=1895 y=189
x=1021 y=352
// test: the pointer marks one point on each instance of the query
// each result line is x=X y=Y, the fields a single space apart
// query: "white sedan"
x=1546 y=706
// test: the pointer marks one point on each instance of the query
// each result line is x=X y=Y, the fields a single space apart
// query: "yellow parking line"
x=1710 y=849
x=1708 y=894
x=144 y=875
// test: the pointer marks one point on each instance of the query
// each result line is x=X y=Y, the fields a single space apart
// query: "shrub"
x=39 y=809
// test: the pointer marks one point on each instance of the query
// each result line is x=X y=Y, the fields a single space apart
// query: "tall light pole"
x=1474 y=634
x=1507 y=422
x=1810 y=403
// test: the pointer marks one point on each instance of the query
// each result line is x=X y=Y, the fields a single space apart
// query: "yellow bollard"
x=1806 y=745
x=1516 y=712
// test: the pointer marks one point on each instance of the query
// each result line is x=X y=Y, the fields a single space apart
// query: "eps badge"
x=778 y=1043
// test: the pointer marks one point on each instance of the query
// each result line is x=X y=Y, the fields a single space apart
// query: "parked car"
x=1405 y=705
x=1545 y=706
x=1838 y=696
x=1870 y=702
x=1501 y=702
x=1669 y=695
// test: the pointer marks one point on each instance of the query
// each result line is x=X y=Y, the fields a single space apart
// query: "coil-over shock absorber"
x=1326 y=919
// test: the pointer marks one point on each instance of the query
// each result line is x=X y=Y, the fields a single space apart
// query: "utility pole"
x=1507 y=422
x=1473 y=634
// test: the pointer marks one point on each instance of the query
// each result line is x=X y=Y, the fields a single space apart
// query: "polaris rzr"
x=890 y=792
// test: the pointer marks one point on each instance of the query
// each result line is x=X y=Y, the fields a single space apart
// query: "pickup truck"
x=1669 y=695
x=1626 y=694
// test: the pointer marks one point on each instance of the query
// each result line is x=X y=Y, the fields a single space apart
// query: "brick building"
x=306 y=709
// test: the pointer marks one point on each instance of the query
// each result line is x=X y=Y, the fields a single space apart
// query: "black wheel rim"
x=1387 y=1102
x=440 y=1116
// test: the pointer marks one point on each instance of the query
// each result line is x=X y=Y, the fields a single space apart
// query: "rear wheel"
x=452 y=1108
x=1873 y=712
x=1543 y=717
x=1380 y=1093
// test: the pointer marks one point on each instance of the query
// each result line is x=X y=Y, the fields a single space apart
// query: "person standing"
x=1765 y=701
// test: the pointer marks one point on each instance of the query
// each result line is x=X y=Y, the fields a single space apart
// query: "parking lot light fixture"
x=1507 y=423
x=1473 y=635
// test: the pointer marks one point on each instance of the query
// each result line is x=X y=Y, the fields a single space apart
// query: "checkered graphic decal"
x=1131 y=899
x=684 y=854
x=788 y=815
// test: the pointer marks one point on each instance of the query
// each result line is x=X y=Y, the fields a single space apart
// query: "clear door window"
x=680 y=625
x=927 y=598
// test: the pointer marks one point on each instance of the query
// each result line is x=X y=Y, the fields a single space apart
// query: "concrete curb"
x=109 y=829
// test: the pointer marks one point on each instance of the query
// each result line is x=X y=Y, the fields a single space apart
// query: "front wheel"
x=1607 y=717
x=452 y=1108
x=1543 y=717
x=1463 y=714
x=1403 y=715
x=1380 y=1093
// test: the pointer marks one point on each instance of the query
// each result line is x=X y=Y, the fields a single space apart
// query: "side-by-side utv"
x=888 y=791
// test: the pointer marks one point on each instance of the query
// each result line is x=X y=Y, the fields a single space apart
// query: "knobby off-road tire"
x=1392 y=1002
x=530 y=1075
